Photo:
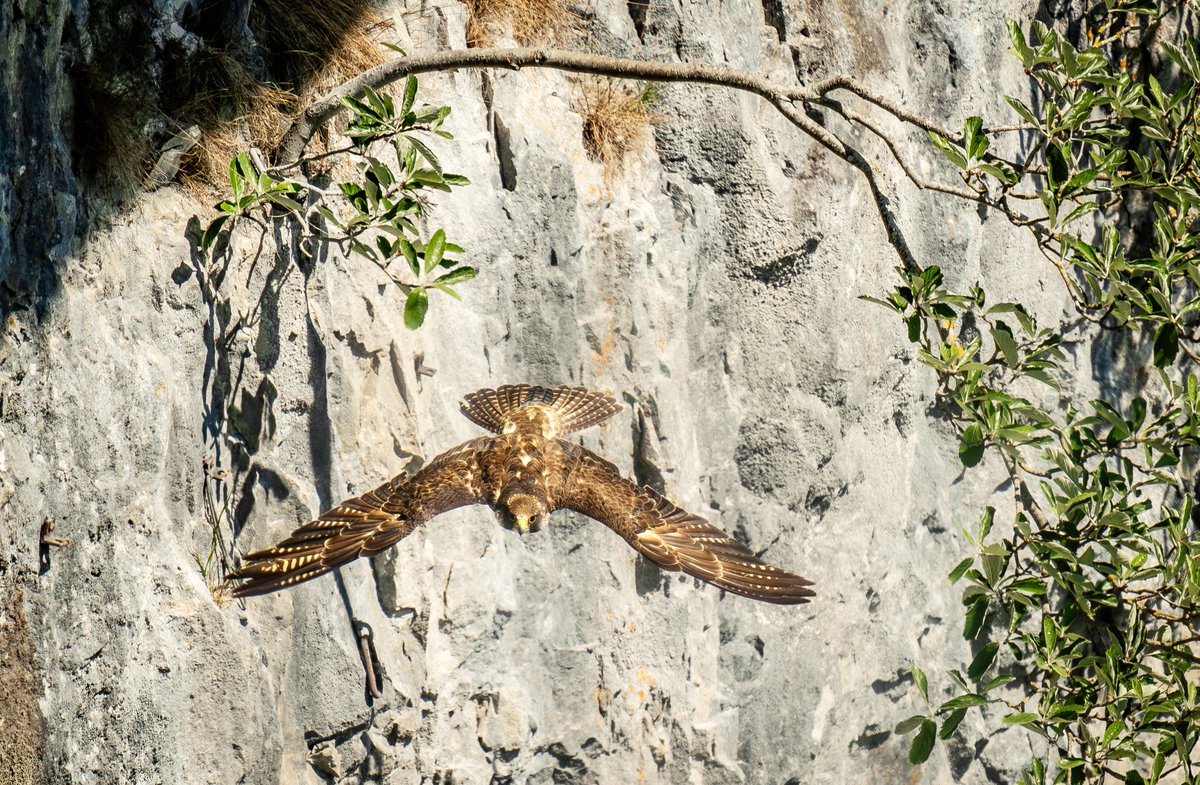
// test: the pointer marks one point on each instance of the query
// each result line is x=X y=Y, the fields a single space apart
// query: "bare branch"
x=784 y=98
x=326 y=108
x=889 y=106
x=916 y=179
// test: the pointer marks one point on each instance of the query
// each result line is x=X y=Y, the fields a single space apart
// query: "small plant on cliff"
x=525 y=21
x=617 y=122
x=376 y=215
x=1082 y=603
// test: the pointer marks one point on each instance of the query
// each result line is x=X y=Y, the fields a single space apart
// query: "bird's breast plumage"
x=517 y=462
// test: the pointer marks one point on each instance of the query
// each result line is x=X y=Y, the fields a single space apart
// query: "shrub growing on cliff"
x=375 y=215
x=1082 y=607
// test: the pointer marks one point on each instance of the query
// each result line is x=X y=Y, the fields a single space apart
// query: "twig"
x=891 y=107
x=917 y=180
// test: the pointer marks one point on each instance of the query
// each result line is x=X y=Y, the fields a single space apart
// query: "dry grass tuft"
x=108 y=140
x=309 y=46
x=215 y=90
x=222 y=594
x=528 y=22
x=312 y=45
x=617 y=122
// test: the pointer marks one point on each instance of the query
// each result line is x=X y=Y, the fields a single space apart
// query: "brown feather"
x=524 y=463
x=671 y=537
x=568 y=409
x=367 y=524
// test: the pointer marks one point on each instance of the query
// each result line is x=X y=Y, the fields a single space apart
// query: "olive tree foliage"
x=1081 y=599
x=375 y=215
x=1083 y=603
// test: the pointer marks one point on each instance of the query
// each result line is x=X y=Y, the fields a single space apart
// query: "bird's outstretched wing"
x=367 y=524
x=671 y=537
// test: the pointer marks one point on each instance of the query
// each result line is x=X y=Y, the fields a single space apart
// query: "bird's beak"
x=522 y=525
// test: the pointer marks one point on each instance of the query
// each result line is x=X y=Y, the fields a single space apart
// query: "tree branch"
x=783 y=98
x=326 y=108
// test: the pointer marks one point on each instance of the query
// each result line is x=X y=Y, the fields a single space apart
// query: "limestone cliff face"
x=714 y=290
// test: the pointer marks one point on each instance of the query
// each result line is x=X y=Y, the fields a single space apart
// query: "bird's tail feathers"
x=571 y=408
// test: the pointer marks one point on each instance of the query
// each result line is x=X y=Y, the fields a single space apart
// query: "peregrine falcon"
x=524 y=471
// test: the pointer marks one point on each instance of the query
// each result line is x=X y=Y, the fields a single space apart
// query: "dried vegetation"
x=527 y=22
x=234 y=99
x=618 y=122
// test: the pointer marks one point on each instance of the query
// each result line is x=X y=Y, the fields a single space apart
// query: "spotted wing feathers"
x=356 y=527
x=570 y=408
x=671 y=537
x=365 y=525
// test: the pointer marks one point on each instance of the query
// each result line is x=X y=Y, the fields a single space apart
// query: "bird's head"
x=524 y=512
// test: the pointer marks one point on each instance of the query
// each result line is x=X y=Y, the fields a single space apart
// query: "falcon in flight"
x=524 y=471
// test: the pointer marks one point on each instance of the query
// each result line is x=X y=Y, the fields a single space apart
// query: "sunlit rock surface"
x=714 y=288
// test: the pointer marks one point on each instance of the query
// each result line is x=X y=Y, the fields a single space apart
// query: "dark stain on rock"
x=24 y=727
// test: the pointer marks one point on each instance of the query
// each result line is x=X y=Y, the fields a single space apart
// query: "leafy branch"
x=377 y=215
x=1084 y=609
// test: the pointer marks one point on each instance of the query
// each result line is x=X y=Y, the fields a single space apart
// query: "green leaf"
x=951 y=723
x=385 y=248
x=985 y=522
x=1057 y=169
x=970 y=449
x=410 y=95
x=911 y=724
x=1028 y=586
x=356 y=106
x=922 y=743
x=998 y=681
x=415 y=308
x=428 y=155
x=886 y=304
x=1003 y=337
x=958 y=571
x=974 y=142
x=434 y=250
x=921 y=682
x=444 y=288
x=1020 y=48
x=1021 y=718
x=210 y=234
x=457 y=275
x=241 y=170
x=1166 y=344
x=1021 y=109
x=410 y=256
x=947 y=148
x=1080 y=180
x=287 y=203
x=914 y=327
x=1001 y=171
x=1049 y=632
x=962 y=702
x=982 y=661
x=976 y=611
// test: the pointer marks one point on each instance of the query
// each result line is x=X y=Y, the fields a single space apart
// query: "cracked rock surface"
x=714 y=289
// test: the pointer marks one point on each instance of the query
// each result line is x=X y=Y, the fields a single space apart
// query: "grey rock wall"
x=715 y=291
